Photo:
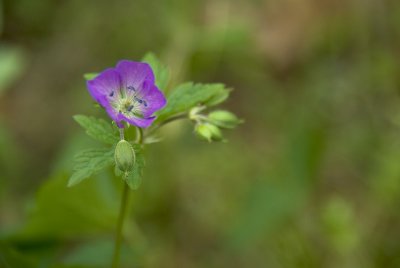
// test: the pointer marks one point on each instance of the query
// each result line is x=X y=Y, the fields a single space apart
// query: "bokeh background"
x=311 y=179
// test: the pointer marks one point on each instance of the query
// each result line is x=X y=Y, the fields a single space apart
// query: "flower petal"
x=106 y=84
x=139 y=122
x=130 y=83
x=115 y=115
x=153 y=97
x=133 y=74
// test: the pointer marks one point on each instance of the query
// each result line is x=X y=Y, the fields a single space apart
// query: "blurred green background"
x=312 y=179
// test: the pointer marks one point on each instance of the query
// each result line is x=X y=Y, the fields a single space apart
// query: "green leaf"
x=219 y=98
x=89 y=162
x=188 y=95
x=134 y=178
x=90 y=76
x=9 y=257
x=98 y=129
x=161 y=72
x=98 y=252
x=59 y=213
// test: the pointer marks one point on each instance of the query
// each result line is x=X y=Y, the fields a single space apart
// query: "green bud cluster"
x=224 y=119
x=209 y=127
x=208 y=132
x=124 y=157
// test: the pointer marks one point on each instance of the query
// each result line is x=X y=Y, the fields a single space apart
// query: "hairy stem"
x=173 y=118
x=120 y=225
x=123 y=208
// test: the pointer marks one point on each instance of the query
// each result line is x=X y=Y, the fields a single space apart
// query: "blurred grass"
x=310 y=180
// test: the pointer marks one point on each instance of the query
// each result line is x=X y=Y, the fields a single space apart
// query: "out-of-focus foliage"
x=311 y=179
x=11 y=64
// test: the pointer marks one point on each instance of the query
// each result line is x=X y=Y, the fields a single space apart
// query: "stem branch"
x=173 y=118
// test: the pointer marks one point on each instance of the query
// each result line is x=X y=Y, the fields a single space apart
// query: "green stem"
x=122 y=210
x=139 y=137
x=120 y=224
x=173 y=118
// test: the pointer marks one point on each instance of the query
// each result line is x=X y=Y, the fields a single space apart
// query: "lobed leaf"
x=98 y=129
x=89 y=162
x=189 y=95
x=161 y=72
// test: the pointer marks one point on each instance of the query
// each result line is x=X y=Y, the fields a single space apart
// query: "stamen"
x=131 y=88
x=130 y=108
x=111 y=94
x=139 y=100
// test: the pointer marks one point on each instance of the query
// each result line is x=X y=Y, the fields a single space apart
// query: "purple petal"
x=139 y=122
x=115 y=115
x=133 y=81
x=133 y=74
x=105 y=84
x=154 y=98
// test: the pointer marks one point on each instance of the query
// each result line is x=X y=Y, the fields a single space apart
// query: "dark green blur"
x=310 y=179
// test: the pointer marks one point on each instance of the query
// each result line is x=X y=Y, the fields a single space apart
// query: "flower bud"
x=208 y=132
x=194 y=112
x=124 y=156
x=224 y=119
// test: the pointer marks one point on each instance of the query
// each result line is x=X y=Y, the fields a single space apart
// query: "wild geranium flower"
x=128 y=93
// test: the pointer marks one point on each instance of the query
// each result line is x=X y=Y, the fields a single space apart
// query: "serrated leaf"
x=89 y=162
x=134 y=178
x=161 y=72
x=98 y=129
x=218 y=98
x=189 y=95
x=90 y=76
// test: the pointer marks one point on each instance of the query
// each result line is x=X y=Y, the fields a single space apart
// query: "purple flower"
x=128 y=93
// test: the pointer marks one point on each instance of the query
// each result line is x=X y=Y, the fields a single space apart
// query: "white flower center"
x=128 y=102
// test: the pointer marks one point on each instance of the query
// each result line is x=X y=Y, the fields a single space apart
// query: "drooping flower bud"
x=224 y=119
x=216 y=132
x=208 y=132
x=124 y=156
